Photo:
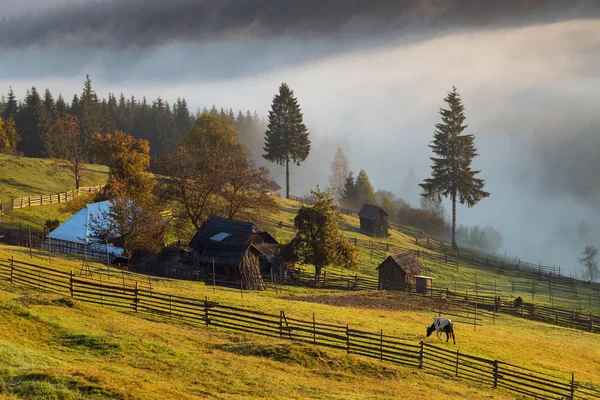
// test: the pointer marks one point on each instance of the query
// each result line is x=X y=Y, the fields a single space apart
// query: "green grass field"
x=52 y=347
x=22 y=176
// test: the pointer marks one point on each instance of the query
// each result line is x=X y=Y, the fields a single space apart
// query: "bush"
x=51 y=224
x=427 y=221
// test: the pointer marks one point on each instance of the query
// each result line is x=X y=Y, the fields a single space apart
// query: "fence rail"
x=45 y=199
x=374 y=345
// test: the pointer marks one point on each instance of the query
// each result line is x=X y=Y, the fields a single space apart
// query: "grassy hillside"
x=22 y=176
x=155 y=345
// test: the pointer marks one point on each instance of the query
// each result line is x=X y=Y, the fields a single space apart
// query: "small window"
x=220 y=236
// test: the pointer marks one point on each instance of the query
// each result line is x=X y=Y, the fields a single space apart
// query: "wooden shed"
x=399 y=271
x=424 y=284
x=272 y=189
x=229 y=248
x=373 y=221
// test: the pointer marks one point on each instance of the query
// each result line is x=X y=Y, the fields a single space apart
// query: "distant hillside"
x=22 y=176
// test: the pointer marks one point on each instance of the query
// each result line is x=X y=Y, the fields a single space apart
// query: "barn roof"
x=238 y=232
x=370 y=211
x=273 y=186
x=406 y=261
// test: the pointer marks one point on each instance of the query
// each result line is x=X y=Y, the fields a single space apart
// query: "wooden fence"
x=45 y=199
x=374 y=345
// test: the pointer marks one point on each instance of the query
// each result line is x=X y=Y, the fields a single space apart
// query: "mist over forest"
x=370 y=77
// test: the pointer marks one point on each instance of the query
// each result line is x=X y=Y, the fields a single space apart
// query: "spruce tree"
x=62 y=108
x=89 y=113
x=286 y=138
x=364 y=189
x=12 y=106
x=350 y=195
x=452 y=175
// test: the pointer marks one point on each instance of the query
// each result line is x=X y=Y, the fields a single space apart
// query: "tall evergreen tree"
x=286 y=138
x=31 y=120
x=62 y=109
x=46 y=125
x=12 y=106
x=452 y=175
x=350 y=194
x=183 y=119
x=364 y=189
x=89 y=113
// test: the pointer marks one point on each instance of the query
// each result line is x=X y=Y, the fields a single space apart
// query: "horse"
x=442 y=325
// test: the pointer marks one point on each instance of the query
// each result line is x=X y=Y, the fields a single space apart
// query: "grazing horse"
x=442 y=325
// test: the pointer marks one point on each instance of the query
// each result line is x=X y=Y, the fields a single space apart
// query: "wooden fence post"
x=572 y=385
x=421 y=354
x=101 y=296
x=206 y=310
x=135 y=301
x=12 y=268
x=381 y=346
x=347 y=339
x=314 y=330
x=281 y=324
x=71 y=285
x=457 y=354
x=495 y=373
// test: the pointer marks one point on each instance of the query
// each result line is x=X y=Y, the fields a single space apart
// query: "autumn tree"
x=68 y=147
x=433 y=203
x=590 y=265
x=128 y=159
x=197 y=186
x=213 y=130
x=339 y=174
x=134 y=218
x=9 y=137
x=132 y=221
x=452 y=175
x=286 y=138
x=319 y=239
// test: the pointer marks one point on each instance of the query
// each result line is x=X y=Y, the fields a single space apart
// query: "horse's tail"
x=452 y=330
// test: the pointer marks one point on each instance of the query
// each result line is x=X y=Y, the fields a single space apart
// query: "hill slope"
x=22 y=176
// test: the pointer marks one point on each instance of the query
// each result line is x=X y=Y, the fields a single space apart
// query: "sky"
x=370 y=76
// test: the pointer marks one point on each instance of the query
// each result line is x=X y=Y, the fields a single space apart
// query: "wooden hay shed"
x=233 y=250
x=272 y=189
x=399 y=271
x=424 y=284
x=373 y=221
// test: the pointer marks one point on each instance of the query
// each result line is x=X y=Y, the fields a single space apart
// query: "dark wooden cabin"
x=399 y=271
x=373 y=221
x=237 y=250
x=223 y=246
x=272 y=189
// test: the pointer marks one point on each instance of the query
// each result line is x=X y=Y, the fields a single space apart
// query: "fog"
x=371 y=80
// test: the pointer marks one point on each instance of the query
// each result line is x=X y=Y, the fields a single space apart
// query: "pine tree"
x=364 y=189
x=339 y=173
x=48 y=118
x=183 y=119
x=452 y=175
x=89 y=113
x=12 y=106
x=350 y=195
x=9 y=138
x=286 y=138
x=62 y=108
x=30 y=120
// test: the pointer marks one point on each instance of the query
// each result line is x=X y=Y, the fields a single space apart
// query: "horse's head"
x=430 y=330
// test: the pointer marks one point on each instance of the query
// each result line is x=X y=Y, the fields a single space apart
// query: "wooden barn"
x=373 y=221
x=272 y=189
x=399 y=271
x=234 y=250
